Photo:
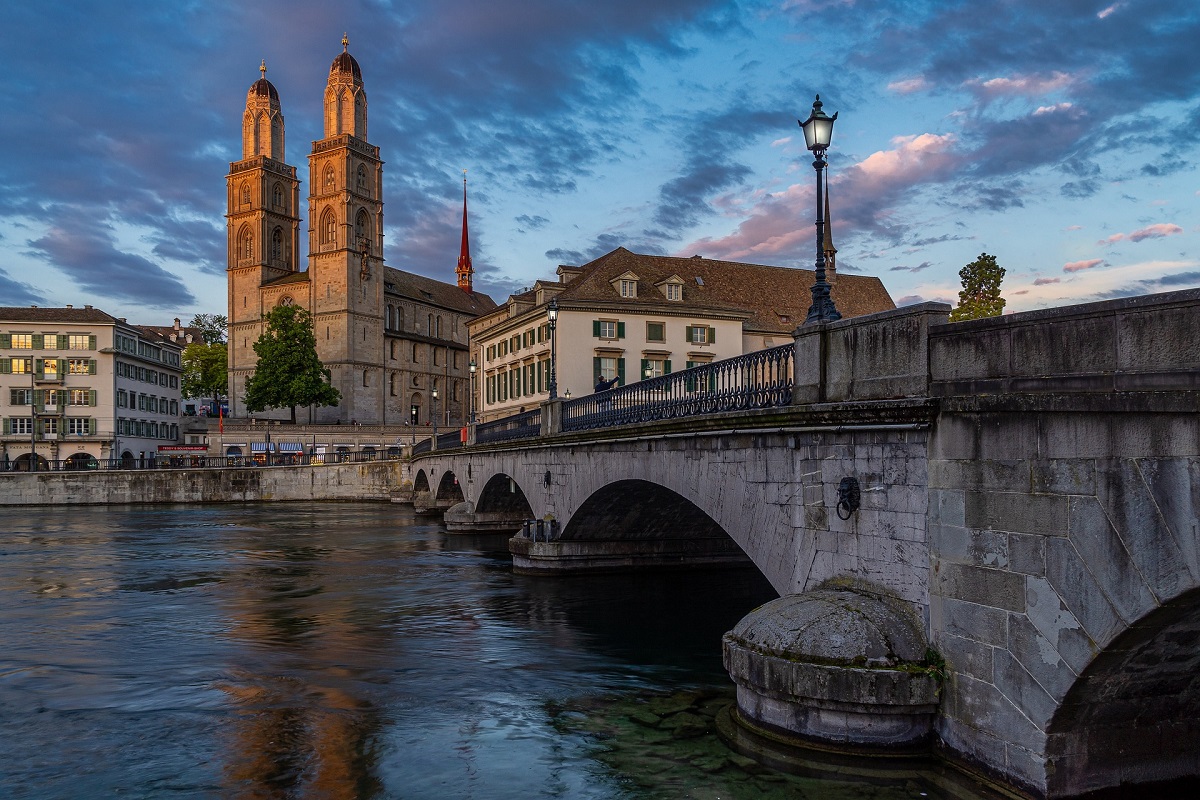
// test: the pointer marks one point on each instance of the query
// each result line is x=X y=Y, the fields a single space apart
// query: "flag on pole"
x=220 y=419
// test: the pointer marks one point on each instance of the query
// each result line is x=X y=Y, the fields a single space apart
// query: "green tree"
x=980 y=295
x=205 y=371
x=288 y=372
x=212 y=327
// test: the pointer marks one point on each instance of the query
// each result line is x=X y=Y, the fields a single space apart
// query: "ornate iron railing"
x=762 y=379
x=518 y=426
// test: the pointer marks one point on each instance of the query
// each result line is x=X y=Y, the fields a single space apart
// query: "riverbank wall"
x=357 y=481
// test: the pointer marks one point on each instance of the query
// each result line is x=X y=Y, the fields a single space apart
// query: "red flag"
x=220 y=419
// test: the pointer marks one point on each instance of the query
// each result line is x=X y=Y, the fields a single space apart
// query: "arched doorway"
x=81 y=461
x=127 y=460
x=21 y=463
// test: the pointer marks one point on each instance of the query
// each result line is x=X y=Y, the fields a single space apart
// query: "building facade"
x=389 y=338
x=80 y=386
x=631 y=316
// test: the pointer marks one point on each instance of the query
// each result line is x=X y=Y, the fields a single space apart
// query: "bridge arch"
x=448 y=488
x=1133 y=715
x=639 y=509
x=421 y=481
x=502 y=494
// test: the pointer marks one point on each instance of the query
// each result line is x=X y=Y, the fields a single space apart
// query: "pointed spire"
x=464 y=269
x=345 y=42
x=263 y=68
x=830 y=250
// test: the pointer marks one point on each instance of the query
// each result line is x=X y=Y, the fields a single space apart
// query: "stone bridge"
x=1028 y=498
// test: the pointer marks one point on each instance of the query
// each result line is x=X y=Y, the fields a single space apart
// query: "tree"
x=288 y=372
x=980 y=295
x=205 y=371
x=212 y=327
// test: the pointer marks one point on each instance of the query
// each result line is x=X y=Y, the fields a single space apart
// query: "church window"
x=415 y=360
x=277 y=196
x=364 y=377
x=392 y=385
x=360 y=230
x=429 y=326
x=362 y=179
x=328 y=227
x=329 y=179
x=389 y=318
x=439 y=327
x=247 y=244
x=277 y=245
x=286 y=300
x=245 y=194
x=393 y=351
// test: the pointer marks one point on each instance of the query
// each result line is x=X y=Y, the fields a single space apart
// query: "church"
x=395 y=342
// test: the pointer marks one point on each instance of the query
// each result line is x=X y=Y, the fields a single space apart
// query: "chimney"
x=70 y=306
x=177 y=323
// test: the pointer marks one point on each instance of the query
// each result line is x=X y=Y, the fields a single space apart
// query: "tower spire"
x=830 y=250
x=464 y=271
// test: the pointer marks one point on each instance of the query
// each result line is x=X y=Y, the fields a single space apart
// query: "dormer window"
x=674 y=291
x=626 y=285
x=628 y=288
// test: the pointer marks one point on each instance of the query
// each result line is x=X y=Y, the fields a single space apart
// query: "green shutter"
x=667 y=367
x=62 y=368
x=5 y=366
x=645 y=366
x=621 y=370
x=64 y=341
x=92 y=366
x=91 y=343
x=687 y=334
x=5 y=341
x=621 y=331
x=596 y=366
x=92 y=397
x=91 y=424
x=37 y=368
x=542 y=379
x=596 y=328
x=712 y=335
x=7 y=426
x=39 y=341
x=61 y=399
x=691 y=379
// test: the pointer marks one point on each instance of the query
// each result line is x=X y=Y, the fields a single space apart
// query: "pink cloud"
x=1073 y=228
x=778 y=224
x=1076 y=266
x=1111 y=9
x=1020 y=85
x=1044 y=281
x=908 y=86
x=1156 y=231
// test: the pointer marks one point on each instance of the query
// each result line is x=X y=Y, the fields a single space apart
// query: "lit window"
x=78 y=366
x=22 y=341
x=50 y=425
x=78 y=342
x=79 y=397
x=22 y=366
x=50 y=368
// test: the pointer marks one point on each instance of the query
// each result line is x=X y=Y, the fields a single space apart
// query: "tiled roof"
x=181 y=333
x=36 y=314
x=776 y=297
x=428 y=290
x=291 y=277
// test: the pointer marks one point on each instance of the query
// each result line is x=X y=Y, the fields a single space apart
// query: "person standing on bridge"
x=603 y=385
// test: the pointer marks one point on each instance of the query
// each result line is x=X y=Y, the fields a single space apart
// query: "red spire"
x=464 y=269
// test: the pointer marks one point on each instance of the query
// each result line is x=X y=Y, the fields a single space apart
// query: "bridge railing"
x=518 y=426
x=762 y=379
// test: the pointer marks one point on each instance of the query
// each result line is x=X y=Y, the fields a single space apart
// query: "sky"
x=1060 y=137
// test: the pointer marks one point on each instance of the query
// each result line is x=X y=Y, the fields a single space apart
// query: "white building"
x=80 y=386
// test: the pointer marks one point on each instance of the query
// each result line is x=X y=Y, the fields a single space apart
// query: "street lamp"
x=568 y=393
x=435 y=413
x=473 y=368
x=552 y=316
x=818 y=131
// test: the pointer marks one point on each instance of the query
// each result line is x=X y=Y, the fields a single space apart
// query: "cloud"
x=16 y=293
x=908 y=85
x=533 y=223
x=1156 y=231
x=923 y=265
x=1036 y=85
x=1046 y=281
x=1103 y=13
x=1076 y=266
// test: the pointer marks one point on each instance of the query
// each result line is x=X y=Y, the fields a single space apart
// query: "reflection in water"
x=346 y=651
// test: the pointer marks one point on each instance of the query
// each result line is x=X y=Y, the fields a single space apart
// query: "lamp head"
x=552 y=310
x=818 y=128
x=473 y=367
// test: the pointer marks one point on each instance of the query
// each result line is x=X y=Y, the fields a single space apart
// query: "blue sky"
x=1059 y=136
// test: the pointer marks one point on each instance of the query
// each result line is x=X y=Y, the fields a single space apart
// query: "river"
x=317 y=650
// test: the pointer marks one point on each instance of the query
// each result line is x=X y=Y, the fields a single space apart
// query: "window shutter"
x=691 y=379
x=645 y=366
x=63 y=340
x=621 y=332
x=621 y=370
x=62 y=367
x=91 y=343
x=7 y=426
x=712 y=335
x=596 y=328
x=543 y=379
x=5 y=341
x=60 y=398
x=37 y=368
x=596 y=366
x=667 y=367
x=687 y=334
x=92 y=366
x=5 y=366
x=39 y=341
x=92 y=397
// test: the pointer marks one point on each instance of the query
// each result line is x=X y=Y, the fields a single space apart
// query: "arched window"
x=392 y=384
x=277 y=245
x=365 y=378
x=388 y=318
x=286 y=300
x=429 y=326
x=362 y=179
x=439 y=326
x=328 y=227
x=245 y=194
x=247 y=244
x=415 y=360
x=393 y=351
x=362 y=230
x=329 y=179
x=277 y=196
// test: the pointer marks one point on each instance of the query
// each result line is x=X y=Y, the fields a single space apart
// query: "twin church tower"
x=357 y=303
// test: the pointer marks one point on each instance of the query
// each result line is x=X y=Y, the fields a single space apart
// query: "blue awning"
x=291 y=447
x=261 y=447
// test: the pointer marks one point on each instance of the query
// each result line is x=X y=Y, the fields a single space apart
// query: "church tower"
x=464 y=270
x=345 y=217
x=263 y=224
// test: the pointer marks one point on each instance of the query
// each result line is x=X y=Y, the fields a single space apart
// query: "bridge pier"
x=590 y=556
x=463 y=518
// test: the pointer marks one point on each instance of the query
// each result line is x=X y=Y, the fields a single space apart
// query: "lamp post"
x=818 y=131
x=32 y=419
x=552 y=316
x=473 y=367
x=435 y=413
x=568 y=394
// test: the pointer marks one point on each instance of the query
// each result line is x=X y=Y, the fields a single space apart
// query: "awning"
x=261 y=447
x=291 y=447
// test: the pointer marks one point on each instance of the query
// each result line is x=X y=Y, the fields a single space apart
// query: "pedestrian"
x=603 y=385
